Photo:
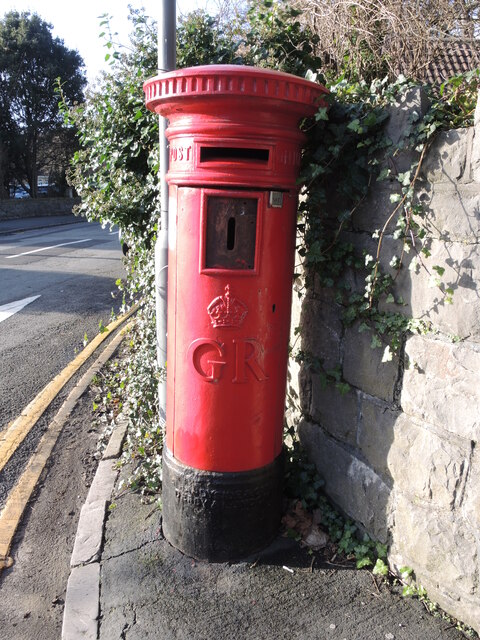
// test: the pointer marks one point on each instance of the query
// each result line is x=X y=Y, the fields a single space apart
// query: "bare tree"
x=375 y=37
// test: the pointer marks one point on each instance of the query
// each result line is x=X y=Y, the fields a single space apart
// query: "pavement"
x=17 y=225
x=127 y=582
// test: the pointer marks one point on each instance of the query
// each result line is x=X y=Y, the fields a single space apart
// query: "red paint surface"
x=233 y=134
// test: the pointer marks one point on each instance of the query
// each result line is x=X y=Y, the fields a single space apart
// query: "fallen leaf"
x=316 y=539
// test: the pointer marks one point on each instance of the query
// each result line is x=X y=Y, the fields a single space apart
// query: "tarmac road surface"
x=59 y=280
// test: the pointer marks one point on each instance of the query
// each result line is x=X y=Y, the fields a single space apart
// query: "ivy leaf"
x=384 y=174
x=439 y=270
x=376 y=342
x=380 y=568
x=101 y=327
x=404 y=178
x=405 y=572
x=343 y=388
x=370 y=119
x=321 y=114
x=363 y=562
x=355 y=126
x=408 y=591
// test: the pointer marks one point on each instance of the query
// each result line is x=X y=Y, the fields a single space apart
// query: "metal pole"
x=166 y=62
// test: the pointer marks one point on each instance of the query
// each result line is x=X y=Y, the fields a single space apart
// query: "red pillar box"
x=234 y=159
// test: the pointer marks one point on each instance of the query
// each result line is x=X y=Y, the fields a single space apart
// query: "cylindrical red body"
x=228 y=333
x=234 y=158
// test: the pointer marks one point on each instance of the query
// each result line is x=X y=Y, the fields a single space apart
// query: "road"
x=56 y=285
x=65 y=276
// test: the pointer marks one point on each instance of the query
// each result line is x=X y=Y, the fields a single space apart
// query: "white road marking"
x=9 y=309
x=54 y=246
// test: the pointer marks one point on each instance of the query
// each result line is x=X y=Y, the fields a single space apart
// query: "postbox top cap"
x=231 y=81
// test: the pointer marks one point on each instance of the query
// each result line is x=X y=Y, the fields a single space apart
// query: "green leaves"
x=101 y=327
x=322 y=114
x=276 y=38
x=35 y=135
x=440 y=270
x=380 y=568
x=355 y=126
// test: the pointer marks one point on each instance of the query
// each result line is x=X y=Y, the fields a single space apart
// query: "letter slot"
x=231 y=232
x=233 y=154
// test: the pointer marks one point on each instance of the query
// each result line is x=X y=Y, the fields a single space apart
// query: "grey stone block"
x=351 y=484
x=404 y=115
x=374 y=211
x=440 y=385
x=114 y=446
x=475 y=156
x=446 y=160
x=452 y=211
x=305 y=390
x=443 y=552
x=322 y=331
x=439 y=545
x=427 y=467
x=336 y=412
x=88 y=541
x=423 y=299
x=103 y=482
x=471 y=502
x=363 y=366
x=376 y=430
x=408 y=110
x=82 y=603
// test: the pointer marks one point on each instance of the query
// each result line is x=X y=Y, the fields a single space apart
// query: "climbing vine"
x=348 y=151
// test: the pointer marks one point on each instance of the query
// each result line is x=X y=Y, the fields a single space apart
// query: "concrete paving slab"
x=82 y=603
x=103 y=483
x=89 y=538
x=114 y=446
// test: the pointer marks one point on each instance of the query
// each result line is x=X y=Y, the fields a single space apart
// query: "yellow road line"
x=20 y=494
x=16 y=432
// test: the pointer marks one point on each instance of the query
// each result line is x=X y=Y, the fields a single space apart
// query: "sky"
x=77 y=24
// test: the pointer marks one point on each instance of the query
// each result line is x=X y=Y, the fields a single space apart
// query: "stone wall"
x=399 y=452
x=30 y=208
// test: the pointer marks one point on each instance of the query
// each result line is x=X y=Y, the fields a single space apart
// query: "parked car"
x=19 y=192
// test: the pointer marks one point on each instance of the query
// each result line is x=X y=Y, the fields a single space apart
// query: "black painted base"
x=220 y=516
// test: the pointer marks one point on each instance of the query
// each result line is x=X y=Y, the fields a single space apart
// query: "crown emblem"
x=226 y=311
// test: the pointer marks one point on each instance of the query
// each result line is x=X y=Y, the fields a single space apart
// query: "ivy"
x=349 y=149
x=303 y=483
